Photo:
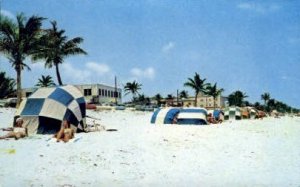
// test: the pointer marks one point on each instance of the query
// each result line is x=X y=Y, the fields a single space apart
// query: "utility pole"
x=116 y=91
x=177 y=98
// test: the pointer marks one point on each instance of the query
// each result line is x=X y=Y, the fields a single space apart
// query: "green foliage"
x=158 y=99
x=45 y=81
x=7 y=85
x=183 y=94
x=197 y=84
x=266 y=97
x=55 y=46
x=133 y=88
x=141 y=99
x=19 y=40
x=214 y=92
x=237 y=98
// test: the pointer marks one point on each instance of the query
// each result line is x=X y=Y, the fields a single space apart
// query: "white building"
x=99 y=93
x=93 y=93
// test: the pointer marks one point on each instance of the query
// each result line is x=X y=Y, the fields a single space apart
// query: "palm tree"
x=55 y=46
x=271 y=105
x=45 y=81
x=197 y=84
x=266 y=97
x=236 y=98
x=214 y=92
x=18 y=41
x=170 y=99
x=7 y=85
x=158 y=99
x=132 y=88
x=183 y=94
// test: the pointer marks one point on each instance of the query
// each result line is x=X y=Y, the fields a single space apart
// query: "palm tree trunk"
x=19 y=87
x=214 y=103
x=196 y=96
x=58 y=75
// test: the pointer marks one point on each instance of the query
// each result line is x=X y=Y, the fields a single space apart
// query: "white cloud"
x=7 y=14
x=37 y=65
x=260 y=8
x=148 y=73
x=98 y=68
x=168 y=47
x=75 y=75
x=92 y=72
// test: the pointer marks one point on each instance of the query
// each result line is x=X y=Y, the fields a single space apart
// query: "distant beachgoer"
x=65 y=133
x=16 y=132
x=221 y=117
x=211 y=119
x=175 y=119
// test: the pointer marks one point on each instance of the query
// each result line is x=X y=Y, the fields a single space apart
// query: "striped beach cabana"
x=253 y=113
x=232 y=113
x=192 y=116
x=46 y=108
x=164 y=115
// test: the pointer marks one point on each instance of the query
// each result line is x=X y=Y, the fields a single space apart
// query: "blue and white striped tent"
x=233 y=113
x=164 y=115
x=46 y=108
x=192 y=116
x=185 y=116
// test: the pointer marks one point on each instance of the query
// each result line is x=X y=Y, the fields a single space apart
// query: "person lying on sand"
x=65 y=133
x=16 y=132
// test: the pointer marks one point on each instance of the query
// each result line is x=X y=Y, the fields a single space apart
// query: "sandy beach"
x=237 y=153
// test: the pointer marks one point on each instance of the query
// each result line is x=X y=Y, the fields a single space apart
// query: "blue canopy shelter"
x=192 y=116
x=184 y=116
x=164 y=115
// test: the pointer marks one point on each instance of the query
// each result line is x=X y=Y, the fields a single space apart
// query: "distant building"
x=26 y=92
x=93 y=93
x=99 y=93
x=208 y=101
x=203 y=101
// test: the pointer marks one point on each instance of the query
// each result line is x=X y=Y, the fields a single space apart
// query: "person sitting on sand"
x=16 y=132
x=65 y=133
x=211 y=119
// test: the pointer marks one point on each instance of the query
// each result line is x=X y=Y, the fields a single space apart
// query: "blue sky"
x=252 y=46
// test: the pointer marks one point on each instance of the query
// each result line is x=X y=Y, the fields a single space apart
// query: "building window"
x=87 y=92
x=105 y=93
x=109 y=93
x=28 y=94
x=119 y=94
x=99 y=92
x=102 y=92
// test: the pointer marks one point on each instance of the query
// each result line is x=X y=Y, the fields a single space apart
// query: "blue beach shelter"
x=192 y=116
x=164 y=115
x=44 y=110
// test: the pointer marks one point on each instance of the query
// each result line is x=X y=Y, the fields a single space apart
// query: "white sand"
x=244 y=153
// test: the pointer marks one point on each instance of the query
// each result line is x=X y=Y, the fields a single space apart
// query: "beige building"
x=202 y=101
x=205 y=101
x=208 y=101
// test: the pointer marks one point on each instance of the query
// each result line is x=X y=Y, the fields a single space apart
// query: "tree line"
x=199 y=85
